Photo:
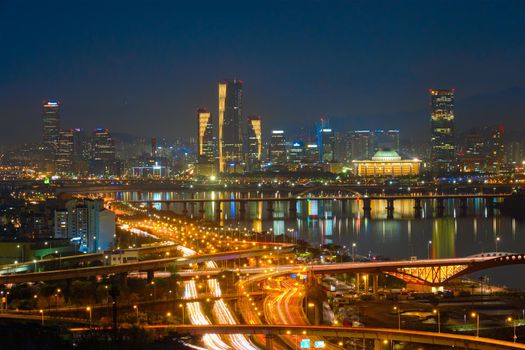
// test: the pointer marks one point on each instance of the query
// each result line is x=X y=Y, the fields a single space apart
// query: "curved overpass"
x=147 y=265
x=378 y=335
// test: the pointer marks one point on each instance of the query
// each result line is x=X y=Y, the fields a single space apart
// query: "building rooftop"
x=386 y=155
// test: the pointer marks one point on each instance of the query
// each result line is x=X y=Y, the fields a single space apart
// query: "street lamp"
x=511 y=320
x=497 y=241
x=436 y=311
x=353 y=251
x=88 y=309
x=136 y=308
x=168 y=316
x=476 y=315
x=429 y=245
x=42 y=314
x=398 y=310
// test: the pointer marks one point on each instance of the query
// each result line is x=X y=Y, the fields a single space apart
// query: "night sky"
x=144 y=67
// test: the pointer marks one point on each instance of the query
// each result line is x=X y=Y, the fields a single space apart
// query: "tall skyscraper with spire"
x=443 y=144
x=230 y=141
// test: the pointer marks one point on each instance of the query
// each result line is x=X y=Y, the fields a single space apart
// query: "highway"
x=146 y=265
x=378 y=335
x=286 y=307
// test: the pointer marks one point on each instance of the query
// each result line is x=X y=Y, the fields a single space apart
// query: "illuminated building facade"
x=296 y=153
x=254 y=142
x=103 y=153
x=387 y=163
x=50 y=128
x=443 y=146
x=326 y=141
x=205 y=136
x=64 y=154
x=278 y=147
x=230 y=126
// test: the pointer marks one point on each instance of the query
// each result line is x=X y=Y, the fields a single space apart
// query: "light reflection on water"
x=324 y=222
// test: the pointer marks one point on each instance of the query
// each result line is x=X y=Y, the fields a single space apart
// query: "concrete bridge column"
x=463 y=207
x=378 y=344
x=489 y=203
x=366 y=278
x=192 y=205
x=440 y=206
x=269 y=209
x=390 y=208
x=201 y=210
x=367 y=208
x=269 y=341
x=150 y=274
x=357 y=282
x=218 y=211
x=343 y=206
x=184 y=208
x=242 y=210
x=292 y=209
x=418 y=208
x=375 y=283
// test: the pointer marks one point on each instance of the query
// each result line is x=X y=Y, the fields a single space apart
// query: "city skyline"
x=328 y=70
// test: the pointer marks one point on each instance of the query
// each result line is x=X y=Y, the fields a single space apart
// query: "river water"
x=324 y=222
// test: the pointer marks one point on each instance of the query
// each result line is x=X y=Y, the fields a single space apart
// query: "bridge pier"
x=367 y=208
x=292 y=209
x=201 y=210
x=218 y=211
x=150 y=275
x=378 y=344
x=440 y=206
x=463 y=207
x=418 y=208
x=343 y=206
x=375 y=283
x=390 y=208
x=242 y=210
x=185 y=208
x=489 y=203
x=269 y=341
x=269 y=209
x=366 y=278
x=357 y=282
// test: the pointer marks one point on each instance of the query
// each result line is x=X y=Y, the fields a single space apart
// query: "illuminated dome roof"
x=386 y=155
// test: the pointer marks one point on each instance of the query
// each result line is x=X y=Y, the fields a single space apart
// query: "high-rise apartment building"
x=254 y=142
x=230 y=126
x=278 y=147
x=443 y=146
x=205 y=149
x=50 y=128
x=86 y=223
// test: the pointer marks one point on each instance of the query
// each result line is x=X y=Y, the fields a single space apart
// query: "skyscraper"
x=230 y=126
x=442 y=152
x=50 y=128
x=326 y=141
x=64 y=154
x=205 y=147
x=254 y=142
x=361 y=144
x=103 y=157
x=278 y=147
